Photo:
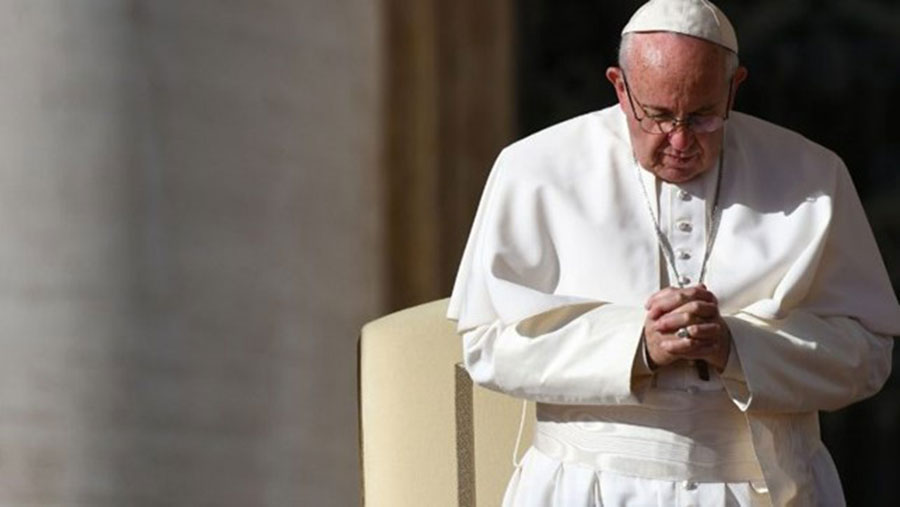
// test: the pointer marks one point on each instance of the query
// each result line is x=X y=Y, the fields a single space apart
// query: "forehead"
x=675 y=71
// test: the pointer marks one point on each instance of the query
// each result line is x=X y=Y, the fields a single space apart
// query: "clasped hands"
x=686 y=324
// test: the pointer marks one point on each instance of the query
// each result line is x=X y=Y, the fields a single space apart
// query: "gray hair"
x=731 y=58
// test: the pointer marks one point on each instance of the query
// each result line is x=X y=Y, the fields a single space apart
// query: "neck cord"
x=666 y=247
x=663 y=240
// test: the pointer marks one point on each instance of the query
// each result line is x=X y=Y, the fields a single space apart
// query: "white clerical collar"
x=702 y=187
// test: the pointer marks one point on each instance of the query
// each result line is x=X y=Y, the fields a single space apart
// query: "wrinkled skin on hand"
x=697 y=310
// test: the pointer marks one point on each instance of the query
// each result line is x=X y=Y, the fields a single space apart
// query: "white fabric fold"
x=574 y=355
x=562 y=256
x=672 y=436
x=545 y=482
x=562 y=221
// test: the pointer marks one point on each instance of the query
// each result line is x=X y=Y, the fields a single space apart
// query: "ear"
x=614 y=75
x=739 y=76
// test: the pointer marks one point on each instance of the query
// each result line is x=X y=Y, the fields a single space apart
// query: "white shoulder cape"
x=563 y=221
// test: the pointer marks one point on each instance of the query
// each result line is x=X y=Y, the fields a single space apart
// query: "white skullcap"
x=697 y=18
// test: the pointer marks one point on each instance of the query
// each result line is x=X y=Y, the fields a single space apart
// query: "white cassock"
x=550 y=302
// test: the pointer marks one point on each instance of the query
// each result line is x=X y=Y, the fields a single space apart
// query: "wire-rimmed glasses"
x=666 y=124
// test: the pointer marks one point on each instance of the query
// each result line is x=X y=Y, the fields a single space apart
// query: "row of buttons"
x=683 y=254
x=687 y=227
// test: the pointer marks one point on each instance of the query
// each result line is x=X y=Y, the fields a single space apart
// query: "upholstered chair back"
x=428 y=437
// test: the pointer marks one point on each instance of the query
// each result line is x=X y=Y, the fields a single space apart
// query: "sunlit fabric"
x=563 y=254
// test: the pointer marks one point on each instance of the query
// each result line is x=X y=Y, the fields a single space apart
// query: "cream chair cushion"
x=427 y=437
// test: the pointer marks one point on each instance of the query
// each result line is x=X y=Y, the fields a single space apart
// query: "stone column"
x=190 y=217
x=449 y=80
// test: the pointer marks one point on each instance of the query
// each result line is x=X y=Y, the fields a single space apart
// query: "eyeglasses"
x=666 y=123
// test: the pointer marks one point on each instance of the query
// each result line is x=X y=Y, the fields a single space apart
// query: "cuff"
x=733 y=375
x=641 y=371
x=642 y=360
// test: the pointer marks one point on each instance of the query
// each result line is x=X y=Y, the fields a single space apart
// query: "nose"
x=681 y=138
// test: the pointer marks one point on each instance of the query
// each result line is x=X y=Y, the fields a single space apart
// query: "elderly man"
x=680 y=287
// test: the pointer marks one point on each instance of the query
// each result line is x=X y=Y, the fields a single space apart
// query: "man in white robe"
x=680 y=287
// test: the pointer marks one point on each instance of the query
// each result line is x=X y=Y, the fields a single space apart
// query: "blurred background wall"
x=203 y=201
x=191 y=219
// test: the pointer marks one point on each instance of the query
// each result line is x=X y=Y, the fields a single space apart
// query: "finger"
x=695 y=292
x=700 y=292
x=705 y=332
x=689 y=314
x=678 y=346
x=666 y=301
x=698 y=309
x=688 y=348
x=657 y=295
x=700 y=333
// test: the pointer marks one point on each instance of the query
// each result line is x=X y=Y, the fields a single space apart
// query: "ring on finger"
x=683 y=333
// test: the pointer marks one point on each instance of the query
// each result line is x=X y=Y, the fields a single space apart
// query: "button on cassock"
x=685 y=227
x=683 y=255
x=684 y=195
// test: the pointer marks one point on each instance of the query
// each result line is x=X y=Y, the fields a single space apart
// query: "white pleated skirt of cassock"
x=584 y=456
x=542 y=481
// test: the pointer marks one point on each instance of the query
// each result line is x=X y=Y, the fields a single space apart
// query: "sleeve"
x=509 y=267
x=582 y=354
x=803 y=362
x=825 y=340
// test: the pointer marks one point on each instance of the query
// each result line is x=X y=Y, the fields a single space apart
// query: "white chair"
x=427 y=436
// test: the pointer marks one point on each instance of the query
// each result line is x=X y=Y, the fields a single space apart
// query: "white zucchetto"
x=697 y=18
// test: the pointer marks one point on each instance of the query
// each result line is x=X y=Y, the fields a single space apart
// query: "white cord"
x=515 y=460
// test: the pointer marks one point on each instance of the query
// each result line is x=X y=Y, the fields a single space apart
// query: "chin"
x=678 y=174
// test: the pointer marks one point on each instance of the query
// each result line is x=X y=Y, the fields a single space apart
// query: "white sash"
x=673 y=435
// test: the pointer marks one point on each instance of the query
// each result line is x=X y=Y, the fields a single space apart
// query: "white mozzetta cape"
x=563 y=255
